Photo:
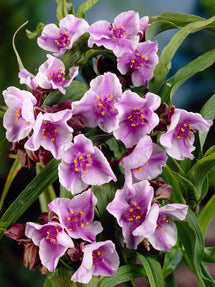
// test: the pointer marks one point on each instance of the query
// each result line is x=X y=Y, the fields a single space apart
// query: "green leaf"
x=208 y=113
x=20 y=65
x=84 y=7
x=124 y=274
x=153 y=270
x=169 y=51
x=61 y=277
x=36 y=33
x=171 y=260
x=207 y=214
x=117 y=147
x=15 y=168
x=64 y=7
x=45 y=178
x=158 y=27
x=209 y=255
x=75 y=92
x=199 y=64
x=190 y=234
x=200 y=170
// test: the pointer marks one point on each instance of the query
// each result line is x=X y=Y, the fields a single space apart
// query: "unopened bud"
x=31 y=255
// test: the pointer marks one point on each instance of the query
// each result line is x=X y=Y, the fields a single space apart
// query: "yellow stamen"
x=100 y=105
x=68 y=218
x=52 y=139
x=131 y=209
x=76 y=169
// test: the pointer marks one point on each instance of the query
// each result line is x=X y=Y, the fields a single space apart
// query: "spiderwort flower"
x=136 y=117
x=132 y=209
x=77 y=215
x=119 y=36
x=100 y=258
x=52 y=240
x=19 y=118
x=145 y=161
x=98 y=105
x=141 y=62
x=59 y=39
x=51 y=131
x=179 y=138
x=83 y=164
x=165 y=235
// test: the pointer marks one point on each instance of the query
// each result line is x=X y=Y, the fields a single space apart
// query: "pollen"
x=52 y=139
x=88 y=155
x=68 y=218
x=146 y=58
x=76 y=169
x=82 y=225
x=102 y=113
x=162 y=229
x=100 y=105
x=44 y=137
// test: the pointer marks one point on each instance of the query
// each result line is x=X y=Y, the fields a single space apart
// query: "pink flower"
x=179 y=138
x=59 y=39
x=83 y=164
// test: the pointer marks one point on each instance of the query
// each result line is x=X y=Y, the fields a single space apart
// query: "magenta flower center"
x=106 y=105
x=134 y=214
x=51 y=233
x=184 y=131
x=98 y=257
x=18 y=115
x=138 y=61
x=58 y=77
x=75 y=220
x=162 y=221
x=63 y=39
x=118 y=32
x=83 y=162
x=136 y=117
x=49 y=130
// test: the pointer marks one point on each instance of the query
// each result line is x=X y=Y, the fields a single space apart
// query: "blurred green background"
x=13 y=13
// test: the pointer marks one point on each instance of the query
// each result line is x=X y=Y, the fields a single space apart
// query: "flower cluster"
x=65 y=131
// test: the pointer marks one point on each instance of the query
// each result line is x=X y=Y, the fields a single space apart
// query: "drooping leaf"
x=170 y=49
x=36 y=33
x=207 y=214
x=171 y=260
x=124 y=274
x=199 y=64
x=46 y=177
x=84 y=7
x=153 y=270
x=208 y=113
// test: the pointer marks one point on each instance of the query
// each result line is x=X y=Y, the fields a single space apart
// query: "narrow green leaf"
x=84 y=7
x=199 y=64
x=75 y=92
x=169 y=51
x=200 y=170
x=15 y=168
x=207 y=214
x=209 y=255
x=20 y=65
x=171 y=260
x=63 y=7
x=124 y=274
x=36 y=33
x=208 y=113
x=153 y=270
x=47 y=176
x=61 y=277
x=158 y=27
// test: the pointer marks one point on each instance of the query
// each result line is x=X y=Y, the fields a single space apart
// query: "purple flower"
x=51 y=131
x=136 y=116
x=145 y=161
x=119 y=36
x=27 y=78
x=59 y=39
x=98 y=105
x=83 y=164
x=141 y=62
x=52 y=240
x=143 y=26
x=100 y=258
x=165 y=235
x=179 y=138
x=77 y=215
x=132 y=209
x=19 y=118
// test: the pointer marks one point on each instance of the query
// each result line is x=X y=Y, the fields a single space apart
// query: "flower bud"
x=31 y=255
x=16 y=231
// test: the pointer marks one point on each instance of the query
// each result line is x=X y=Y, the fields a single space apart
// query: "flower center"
x=106 y=105
x=138 y=61
x=162 y=221
x=136 y=117
x=183 y=131
x=82 y=162
x=117 y=32
x=49 y=130
x=18 y=115
x=58 y=77
x=52 y=232
x=63 y=39
x=75 y=220
x=97 y=257
x=134 y=213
